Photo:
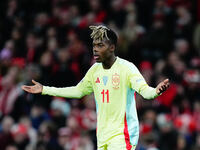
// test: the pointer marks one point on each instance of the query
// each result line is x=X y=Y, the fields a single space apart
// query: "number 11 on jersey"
x=107 y=95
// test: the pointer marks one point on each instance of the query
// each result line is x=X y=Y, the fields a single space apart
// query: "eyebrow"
x=97 y=43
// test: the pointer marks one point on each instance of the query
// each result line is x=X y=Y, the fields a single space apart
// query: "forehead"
x=97 y=41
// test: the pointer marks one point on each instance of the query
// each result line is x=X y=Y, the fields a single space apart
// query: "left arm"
x=138 y=83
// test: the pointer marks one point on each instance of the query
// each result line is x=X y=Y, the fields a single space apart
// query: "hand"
x=34 y=89
x=162 y=86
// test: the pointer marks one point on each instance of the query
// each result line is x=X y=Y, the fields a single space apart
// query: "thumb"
x=34 y=81
x=166 y=81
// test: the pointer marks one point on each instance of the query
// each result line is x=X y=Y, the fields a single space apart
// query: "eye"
x=100 y=45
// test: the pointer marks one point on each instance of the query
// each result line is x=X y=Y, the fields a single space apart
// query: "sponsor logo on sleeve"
x=139 y=80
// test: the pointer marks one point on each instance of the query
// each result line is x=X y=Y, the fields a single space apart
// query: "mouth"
x=96 y=57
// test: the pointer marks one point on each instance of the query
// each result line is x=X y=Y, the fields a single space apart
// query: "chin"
x=98 y=61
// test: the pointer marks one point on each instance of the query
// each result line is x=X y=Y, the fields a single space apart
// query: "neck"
x=109 y=62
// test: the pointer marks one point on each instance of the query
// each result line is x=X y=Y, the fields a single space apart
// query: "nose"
x=95 y=49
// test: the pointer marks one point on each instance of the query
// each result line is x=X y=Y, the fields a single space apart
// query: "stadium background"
x=48 y=40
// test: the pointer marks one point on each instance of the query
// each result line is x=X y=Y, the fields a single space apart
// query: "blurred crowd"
x=48 y=41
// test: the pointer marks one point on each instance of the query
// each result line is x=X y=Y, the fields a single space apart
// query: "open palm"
x=34 y=89
x=162 y=86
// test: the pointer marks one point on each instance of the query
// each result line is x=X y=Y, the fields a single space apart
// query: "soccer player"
x=114 y=82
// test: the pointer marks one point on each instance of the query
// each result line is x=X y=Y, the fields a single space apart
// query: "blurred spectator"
x=196 y=38
x=117 y=13
x=162 y=11
x=168 y=136
x=59 y=111
x=32 y=53
x=20 y=136
x=5 y=134
x=40 y=25
x=11 y=147
x=96 y=14
x=7 y=51
x=17 y=37
x=192 y=83
x=88 y=115
x=64 y=138
x=183 y=50
x=196 y=107
x=63 y=73
x=38 y=115
x=9 y=91
x=85 y=143
x=156 y=42
x=183 y=22
x=181 y=143
x=146 y=70
x=46 y=136
x=74 y=126
x=5 y=56
x=132 y=30
x=46 y=64
x=31 y=71
x=79 y=54
x=31 y=133
x=197 y=142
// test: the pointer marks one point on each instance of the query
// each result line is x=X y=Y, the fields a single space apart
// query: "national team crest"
x=115 y=81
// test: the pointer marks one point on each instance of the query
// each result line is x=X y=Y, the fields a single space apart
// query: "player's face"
x=101 y=50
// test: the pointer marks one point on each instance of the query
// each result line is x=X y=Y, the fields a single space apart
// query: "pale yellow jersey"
x=114 y=90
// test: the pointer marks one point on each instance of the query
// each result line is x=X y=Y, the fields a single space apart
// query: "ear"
x=112 y=47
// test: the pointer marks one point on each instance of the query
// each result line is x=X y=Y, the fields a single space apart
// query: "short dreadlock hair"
x=100 y=32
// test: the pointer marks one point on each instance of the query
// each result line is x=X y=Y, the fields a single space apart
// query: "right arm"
x=67 y=92
x=84 y=87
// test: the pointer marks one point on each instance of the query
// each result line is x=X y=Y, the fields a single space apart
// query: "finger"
x=162 y=85
x=164 y=88
x=34 y=81
x=23 y=86
x=160 y=91
x=167 y=85
x=26 y=88
x=166 y=81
